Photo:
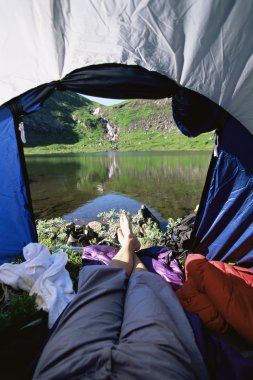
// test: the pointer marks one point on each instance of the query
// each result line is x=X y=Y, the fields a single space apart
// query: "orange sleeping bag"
x=221 y=294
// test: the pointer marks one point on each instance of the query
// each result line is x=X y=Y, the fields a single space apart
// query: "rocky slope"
x=71 y=114
x=142 y=114
x=69 y=122
x=54 y=122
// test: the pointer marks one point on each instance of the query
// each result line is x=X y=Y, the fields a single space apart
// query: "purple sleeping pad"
x=157 y=260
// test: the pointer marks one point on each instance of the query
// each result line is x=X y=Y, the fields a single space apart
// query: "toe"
x=125 y=223
x=120 y=235
x=119 y=232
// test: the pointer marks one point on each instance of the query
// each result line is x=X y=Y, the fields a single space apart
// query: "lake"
x=81 y=186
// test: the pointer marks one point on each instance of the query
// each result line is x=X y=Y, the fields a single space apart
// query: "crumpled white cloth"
x=42 y=274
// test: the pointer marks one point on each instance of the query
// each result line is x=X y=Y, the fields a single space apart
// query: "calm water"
x=79 y=187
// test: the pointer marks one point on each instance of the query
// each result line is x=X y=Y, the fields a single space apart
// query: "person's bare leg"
x=129 y=244
x=138 y=266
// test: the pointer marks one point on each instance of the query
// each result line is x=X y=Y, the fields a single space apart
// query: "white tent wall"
x=203 y=45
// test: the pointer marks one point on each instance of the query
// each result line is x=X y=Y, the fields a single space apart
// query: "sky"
x=104 y=101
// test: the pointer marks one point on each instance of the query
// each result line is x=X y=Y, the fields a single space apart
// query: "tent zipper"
x=21 y=128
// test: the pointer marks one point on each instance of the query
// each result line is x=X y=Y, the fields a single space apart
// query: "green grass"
x=65 y=124
x=131 y=112
x=21 y=310
x=139 y=140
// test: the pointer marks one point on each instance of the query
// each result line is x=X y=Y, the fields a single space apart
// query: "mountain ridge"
x=71 y=123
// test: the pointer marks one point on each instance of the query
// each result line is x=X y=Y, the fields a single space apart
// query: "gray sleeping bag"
x=121 y=328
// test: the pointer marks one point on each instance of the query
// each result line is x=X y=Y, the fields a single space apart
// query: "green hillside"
x=67 y=124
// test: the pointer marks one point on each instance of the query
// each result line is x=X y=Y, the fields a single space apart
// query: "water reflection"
x=113 y=167
x=107 y=202
x=170 y=183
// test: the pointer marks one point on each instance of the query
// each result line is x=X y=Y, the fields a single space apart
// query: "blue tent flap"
x=224 y=227
x=16 y=221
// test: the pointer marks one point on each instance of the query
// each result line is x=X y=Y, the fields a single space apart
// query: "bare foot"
x=129 y=244
x=125 y=233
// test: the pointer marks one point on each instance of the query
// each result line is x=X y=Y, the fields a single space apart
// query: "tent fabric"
x=222 y=232
x=195 y=114
x=144 y=55
x=17 y=227
x=224 y=225
x=202 y=45
x=117 y=81
x=224 y=359
x=120 y=82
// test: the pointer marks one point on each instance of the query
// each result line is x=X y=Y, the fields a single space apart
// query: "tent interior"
x=131 y=51
x=223 y=229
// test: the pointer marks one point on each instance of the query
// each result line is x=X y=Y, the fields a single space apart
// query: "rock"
x=146 y=214
x=80 y=234
x=96 y=226
x=95 y=111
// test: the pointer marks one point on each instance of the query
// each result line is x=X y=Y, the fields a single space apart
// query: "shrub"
x=19 y=310
x=52 y=232
x=152 y=234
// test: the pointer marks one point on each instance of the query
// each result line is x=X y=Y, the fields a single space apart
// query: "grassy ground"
x=140 y=140
x=66 y=124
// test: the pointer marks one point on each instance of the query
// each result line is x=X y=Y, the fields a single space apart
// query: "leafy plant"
x=171 y=224
x=20 y=309
x=52 y=232
x=73 y=266
x=152 y=234
x=110 y=224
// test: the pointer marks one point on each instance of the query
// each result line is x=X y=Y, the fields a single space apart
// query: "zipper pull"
x=21 y=128
x=216 y=145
